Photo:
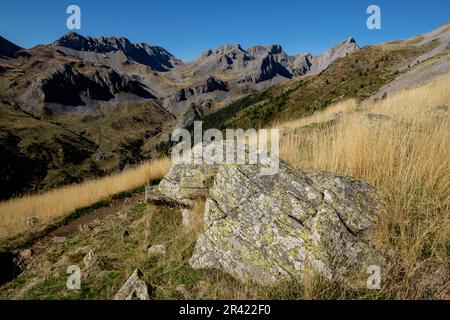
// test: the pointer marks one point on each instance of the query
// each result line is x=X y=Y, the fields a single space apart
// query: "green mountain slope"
x=357 y=75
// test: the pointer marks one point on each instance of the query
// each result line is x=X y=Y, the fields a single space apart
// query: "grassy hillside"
x=400 y=145
x=57 y=204
x=359 y=75
x=38 y=154
x=42 y=153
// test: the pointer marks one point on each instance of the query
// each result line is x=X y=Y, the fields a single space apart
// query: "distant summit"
x=263 y=63
x=154 y=57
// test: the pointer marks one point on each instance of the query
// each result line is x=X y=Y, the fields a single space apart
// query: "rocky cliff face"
x=209 y=85
x=154 y=57
x=65 y=85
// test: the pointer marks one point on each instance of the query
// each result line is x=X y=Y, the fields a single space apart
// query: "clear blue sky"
x=186 y=28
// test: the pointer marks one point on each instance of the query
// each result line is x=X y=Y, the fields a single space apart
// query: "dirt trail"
x=42 y=245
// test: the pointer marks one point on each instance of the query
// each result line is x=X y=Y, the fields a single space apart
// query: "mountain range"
x=83 y=107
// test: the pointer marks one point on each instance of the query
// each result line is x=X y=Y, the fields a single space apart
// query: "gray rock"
x=59 y=239
x=183 y=291
x=210 y=85
x=156 y=197
x=85 y=228
x=26 y=253
x=88 y=258
x=159 y=249
x=271 y=228
x=377 y=117
x=32 y=221
x=186 y=214
x=134 y=288
x=442 y=109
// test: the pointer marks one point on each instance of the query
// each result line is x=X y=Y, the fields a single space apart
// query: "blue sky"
x=186 y=28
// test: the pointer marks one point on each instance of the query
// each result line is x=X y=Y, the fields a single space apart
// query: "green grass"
x=116 y=258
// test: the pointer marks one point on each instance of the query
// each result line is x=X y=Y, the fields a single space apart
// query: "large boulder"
x=267 y=228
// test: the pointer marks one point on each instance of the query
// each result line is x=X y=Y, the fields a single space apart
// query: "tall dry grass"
x=340 y=108
x=403 y=150
x=55 y=204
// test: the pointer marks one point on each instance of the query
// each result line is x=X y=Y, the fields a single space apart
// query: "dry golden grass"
x=344 y=107
x=56 y=204
x=407 y=157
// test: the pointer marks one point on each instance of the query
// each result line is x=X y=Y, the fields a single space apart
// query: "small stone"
x=85 y=229
x=134 y=288
x=375 y=117
x=123 y=215
x=186 y=217
x=159 y=249
x=26 y=254
x=58 y=239
x=32 y=221
x=202 y=289
x=442 y=109
x=181 y=289
x=88 y=258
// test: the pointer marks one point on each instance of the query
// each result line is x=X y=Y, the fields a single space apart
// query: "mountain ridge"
x=153 y=56
x=97 y=89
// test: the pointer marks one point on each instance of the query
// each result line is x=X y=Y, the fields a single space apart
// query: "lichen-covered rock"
x=270 y=228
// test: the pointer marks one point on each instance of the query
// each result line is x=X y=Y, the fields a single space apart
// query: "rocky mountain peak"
x=257 y=51
x=263 y=63
x=229 y=49
x=350 y=40
x=154 y=57
x=339 y=51
x=78 y=42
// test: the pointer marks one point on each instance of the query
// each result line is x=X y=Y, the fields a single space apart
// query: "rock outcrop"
x=65 y=85
x=271 y=228
x=211 y=84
